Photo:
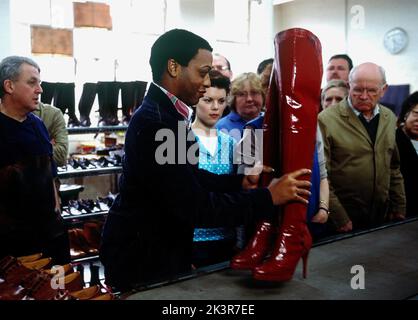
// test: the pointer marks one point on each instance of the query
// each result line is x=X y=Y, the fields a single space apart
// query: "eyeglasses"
x=220 y=68
x=371 y=92
x=412 y=113
x=245 y=94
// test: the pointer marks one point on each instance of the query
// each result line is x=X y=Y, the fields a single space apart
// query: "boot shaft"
x=86 y=102
x=108 y=95
x=299 y=74
x=48 y=91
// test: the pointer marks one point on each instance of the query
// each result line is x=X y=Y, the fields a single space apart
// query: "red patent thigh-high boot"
x=299 y=68
x=262 y=241
x=257 y=248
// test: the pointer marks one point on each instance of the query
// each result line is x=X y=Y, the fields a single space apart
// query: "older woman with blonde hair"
x=334 y=92
x=246 y=101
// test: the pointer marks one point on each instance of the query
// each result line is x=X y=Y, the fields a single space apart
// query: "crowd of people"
x=173 y=216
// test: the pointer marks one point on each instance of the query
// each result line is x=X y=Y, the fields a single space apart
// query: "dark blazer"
x=409 y=169
x=149 y=230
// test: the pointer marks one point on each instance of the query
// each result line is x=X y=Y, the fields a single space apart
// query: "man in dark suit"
x=163 y=195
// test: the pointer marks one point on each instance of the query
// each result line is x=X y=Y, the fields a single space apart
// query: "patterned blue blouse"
x=220 y=163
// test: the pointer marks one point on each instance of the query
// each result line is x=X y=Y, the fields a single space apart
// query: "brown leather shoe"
x=38 y=264
x=73 y=282
x=30 y=258
x=5 y=264
x=75 y=250
x=106 y=296
x=78 y=243
x=42 y=289
x=86 y=293
x=12 y=292
x=67 y=268
x=16 y=271
x=92 y=234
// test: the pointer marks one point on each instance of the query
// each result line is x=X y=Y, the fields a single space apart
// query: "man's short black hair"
x=263 y=64
x=345 y=57
x=178 y=44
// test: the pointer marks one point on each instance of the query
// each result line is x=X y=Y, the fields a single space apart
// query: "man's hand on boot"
x=288 y=188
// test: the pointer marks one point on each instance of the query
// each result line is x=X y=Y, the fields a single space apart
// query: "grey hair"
x=381 y=70
x=10 y=69
x=336 y=83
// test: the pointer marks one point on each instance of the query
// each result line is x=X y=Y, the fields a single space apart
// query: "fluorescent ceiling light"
x=277 y=2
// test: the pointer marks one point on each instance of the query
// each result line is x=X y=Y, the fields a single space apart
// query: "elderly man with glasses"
x=366 y=186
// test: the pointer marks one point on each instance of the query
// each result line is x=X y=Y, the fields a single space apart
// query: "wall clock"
x=395 y=40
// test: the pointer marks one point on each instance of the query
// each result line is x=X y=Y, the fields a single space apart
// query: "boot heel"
x=305 y=264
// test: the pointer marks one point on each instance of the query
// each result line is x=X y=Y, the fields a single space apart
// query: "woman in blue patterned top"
x=216 y=150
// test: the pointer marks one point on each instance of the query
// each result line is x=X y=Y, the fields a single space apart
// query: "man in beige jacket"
x=55 y=124
x=366 y=186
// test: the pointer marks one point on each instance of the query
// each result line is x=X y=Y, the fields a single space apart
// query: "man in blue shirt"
x=30 y=221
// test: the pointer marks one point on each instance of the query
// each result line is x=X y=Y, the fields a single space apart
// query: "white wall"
x=366 y=44
x=340 y=31
x=242 y=30
x=5 y=27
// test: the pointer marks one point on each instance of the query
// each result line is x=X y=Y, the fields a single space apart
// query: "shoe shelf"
x=83 y=216
x=79 y=218
x=84 y=130
x=88 y=172
x=85 y=259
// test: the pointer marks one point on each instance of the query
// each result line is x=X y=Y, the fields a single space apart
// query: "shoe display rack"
x=102 y=165
x=82 y=130
x=85 y=217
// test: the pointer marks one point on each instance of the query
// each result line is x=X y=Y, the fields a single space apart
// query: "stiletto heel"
x=293 y=243
x=305 y=264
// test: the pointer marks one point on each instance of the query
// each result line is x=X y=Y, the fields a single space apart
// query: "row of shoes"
x=86 y=164
x=84 y=206
x=85 y=241
x=32 y=278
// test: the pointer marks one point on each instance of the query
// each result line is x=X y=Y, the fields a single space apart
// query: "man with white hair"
x=366 y=186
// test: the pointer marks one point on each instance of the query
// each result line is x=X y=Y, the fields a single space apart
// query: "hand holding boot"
x=288 y=188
